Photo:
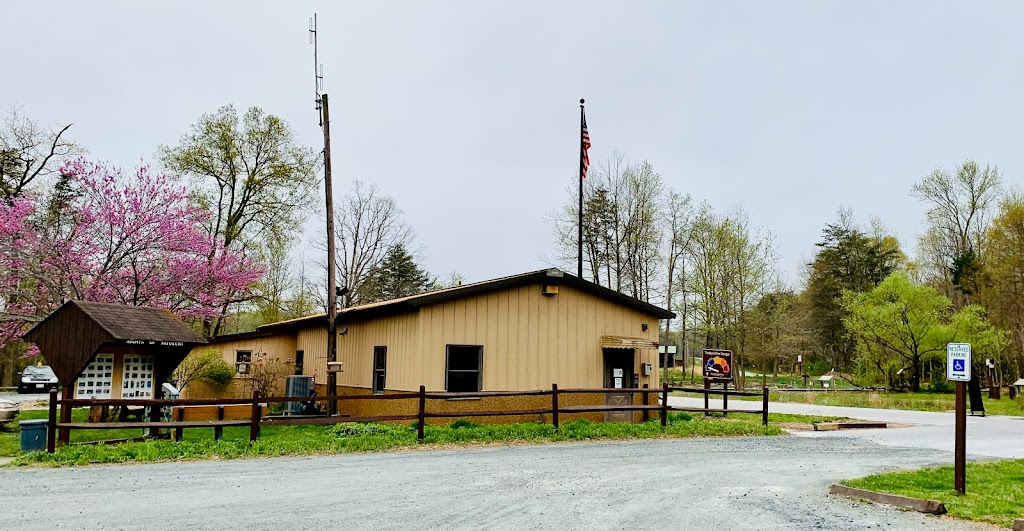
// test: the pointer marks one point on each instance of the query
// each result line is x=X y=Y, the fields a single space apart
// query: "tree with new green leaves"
x=249 y=171
x=1004 y=291
x=899 y=325
x=398 y=275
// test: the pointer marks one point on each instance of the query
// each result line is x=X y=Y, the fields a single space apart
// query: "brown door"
x=618 y=374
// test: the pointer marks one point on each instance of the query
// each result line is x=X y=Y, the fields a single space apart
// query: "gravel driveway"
x=740 y=483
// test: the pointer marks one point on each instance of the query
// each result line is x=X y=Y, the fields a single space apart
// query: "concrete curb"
x=1018 y=524
x=916 y=504
x=848 y=425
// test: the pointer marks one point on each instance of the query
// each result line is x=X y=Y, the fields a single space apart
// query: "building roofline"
x=405 y=304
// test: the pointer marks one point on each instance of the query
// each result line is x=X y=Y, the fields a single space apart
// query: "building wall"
x=355 y=350
x=530 y=340
x=281 y=346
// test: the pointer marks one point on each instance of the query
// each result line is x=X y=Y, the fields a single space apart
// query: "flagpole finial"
x=582 y=101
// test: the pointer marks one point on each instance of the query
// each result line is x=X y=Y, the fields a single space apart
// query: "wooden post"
x=707 y=385
x=51 y=424
x=646 y=414
x=218 y=431
x=65 y=415
x=554 y=405
x=154 y=416
x=421 y=414
x=764 y=406
x=725 y=399
x=179 y=432
x=332 y=283
x=960 y=453
x=664 y=404
x=254 y=426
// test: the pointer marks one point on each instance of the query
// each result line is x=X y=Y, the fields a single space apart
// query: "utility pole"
x=332 y=281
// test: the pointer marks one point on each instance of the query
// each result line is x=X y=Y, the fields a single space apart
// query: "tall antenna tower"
x=333 y=367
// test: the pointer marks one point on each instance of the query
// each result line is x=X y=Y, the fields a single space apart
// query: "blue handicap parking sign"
x=958 y=365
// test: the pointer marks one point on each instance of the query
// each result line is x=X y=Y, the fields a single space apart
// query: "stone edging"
x=916 y=504
x=1018 y=524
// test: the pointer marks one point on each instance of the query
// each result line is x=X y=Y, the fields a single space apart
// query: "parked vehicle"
x=37 y=379
x=8 y=411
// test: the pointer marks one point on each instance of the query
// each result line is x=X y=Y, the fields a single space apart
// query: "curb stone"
x=916 y=504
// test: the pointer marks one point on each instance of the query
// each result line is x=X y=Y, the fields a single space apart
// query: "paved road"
x=740 y=483
x=990 y=436
x=28 y=397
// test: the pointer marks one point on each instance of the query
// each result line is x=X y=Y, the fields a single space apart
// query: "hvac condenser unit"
x=297 y=385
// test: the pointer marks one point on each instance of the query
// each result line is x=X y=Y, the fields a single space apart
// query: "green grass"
x=910 y=401
x=995 y=490
x=362 y=437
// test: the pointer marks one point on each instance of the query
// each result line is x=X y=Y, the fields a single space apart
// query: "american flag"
x=585 y=145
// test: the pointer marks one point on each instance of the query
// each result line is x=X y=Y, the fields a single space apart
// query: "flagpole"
x=579 y=249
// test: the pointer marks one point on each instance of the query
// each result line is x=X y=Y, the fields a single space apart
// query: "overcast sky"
x=466 y=112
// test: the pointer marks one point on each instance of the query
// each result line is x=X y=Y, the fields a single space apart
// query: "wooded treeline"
x=862 y=306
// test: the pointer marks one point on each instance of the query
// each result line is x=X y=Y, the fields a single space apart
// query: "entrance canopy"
x=70 y=336
x=627 y=342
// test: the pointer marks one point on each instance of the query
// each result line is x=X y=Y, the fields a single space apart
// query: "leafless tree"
x=369 y=223
x=29 y=152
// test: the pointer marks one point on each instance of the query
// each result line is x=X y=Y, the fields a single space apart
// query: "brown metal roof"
x=410 y=303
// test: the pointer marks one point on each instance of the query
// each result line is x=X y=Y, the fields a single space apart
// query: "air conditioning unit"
x=297 y=385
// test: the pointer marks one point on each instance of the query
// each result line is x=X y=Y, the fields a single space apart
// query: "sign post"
x=958 y=369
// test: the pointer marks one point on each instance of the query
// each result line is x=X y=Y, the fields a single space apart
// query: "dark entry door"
x=618 y=374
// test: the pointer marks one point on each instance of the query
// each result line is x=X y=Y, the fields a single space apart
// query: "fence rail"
x=63 y=425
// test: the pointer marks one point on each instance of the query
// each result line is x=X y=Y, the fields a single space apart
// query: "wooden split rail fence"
x=256 y=419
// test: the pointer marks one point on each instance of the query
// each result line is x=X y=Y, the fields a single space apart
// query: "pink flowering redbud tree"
x=132 y=239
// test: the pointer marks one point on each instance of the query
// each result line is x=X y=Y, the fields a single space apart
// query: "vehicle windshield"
x=39 y=372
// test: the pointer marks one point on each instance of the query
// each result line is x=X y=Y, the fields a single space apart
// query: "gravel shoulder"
x=739 y=483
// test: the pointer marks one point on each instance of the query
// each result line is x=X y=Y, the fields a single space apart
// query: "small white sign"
x=618 y=383
x=958 y=362
x=617 y=373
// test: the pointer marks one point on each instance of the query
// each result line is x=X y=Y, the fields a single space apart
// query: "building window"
x=380 y=366
x=463 y=368
x=243 y=358
x=299 y=358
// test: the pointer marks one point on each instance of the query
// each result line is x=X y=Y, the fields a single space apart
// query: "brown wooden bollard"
x=254 y=426
x=554 y=405
x=421 y=414
x=51 y=424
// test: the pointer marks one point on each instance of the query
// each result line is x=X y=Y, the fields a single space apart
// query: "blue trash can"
x=33 y=435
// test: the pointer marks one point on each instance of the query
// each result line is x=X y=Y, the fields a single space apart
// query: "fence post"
x=554 y=405
x=254 y=426
x=646 y=414
x=51 y=424
x=664 y=404
x=707 y=385
x=64 y=434
x=179 y=432
x=218 y=431
x=154 y=416
x=725 y=400
x=764 y=405
x=421 y=414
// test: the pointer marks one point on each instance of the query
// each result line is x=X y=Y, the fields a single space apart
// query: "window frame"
x=247 y=362
x=382 y=370
x=479 y=364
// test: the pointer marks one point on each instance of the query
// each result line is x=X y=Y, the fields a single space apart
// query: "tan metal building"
x=521 y=332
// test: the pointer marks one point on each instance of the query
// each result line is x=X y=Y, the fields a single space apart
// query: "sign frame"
x=712 y=373
x=958 y=362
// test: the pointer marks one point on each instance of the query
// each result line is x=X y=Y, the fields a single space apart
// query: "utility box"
x=33 y=435
x=297 y=385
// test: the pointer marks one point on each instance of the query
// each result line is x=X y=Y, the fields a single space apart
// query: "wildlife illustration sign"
x=717 y=364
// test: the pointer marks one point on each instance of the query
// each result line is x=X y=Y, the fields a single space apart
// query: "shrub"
x=356 y=429
x=463 y=423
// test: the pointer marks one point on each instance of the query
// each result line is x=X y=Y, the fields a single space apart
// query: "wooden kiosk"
x=111 y=351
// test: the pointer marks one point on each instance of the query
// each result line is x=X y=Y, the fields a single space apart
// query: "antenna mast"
x=332 y=282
